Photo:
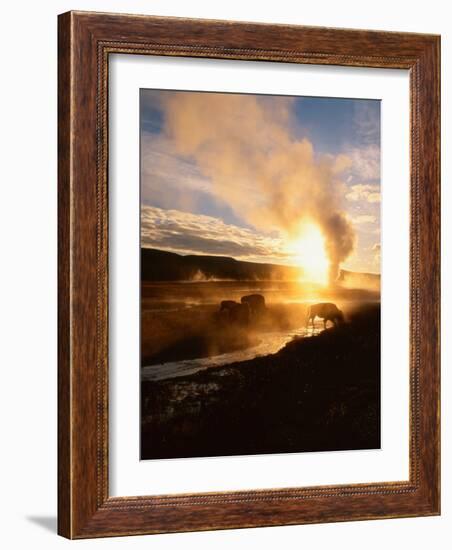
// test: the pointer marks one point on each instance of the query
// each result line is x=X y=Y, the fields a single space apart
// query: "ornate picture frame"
x=86 y=40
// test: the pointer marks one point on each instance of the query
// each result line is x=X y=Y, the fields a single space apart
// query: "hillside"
x=159 y=265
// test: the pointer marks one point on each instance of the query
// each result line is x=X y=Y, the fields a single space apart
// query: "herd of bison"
x=253 y=306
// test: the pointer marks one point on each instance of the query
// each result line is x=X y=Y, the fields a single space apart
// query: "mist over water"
x=180 y=312
x=271 y=343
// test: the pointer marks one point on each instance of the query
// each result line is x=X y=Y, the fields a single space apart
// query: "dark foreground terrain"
x=316 y=394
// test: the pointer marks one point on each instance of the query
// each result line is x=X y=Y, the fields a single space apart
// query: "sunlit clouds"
x=364 y=218
x=364 y=192
x=236 y=175
x=186 y=233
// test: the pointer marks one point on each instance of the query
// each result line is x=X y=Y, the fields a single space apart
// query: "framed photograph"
x=248 y=275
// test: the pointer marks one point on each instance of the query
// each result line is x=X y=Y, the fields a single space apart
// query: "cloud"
x=187 y=233
x=367 y=122
x=364 y=218
x=341 y=163
x=159 y=163
x=365 y=163
x=376 y=248
x=364 y=192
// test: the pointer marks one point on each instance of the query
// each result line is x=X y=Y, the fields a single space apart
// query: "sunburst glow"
x=310 y=254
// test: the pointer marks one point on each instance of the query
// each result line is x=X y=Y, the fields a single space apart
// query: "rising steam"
x=272 y=180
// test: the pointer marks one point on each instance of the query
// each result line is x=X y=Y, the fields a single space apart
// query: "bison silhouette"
x=327 y=312
x=235 y=313
x=256 y=303
x=227 y=305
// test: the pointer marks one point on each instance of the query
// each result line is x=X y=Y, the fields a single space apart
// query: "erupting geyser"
x=271 y=178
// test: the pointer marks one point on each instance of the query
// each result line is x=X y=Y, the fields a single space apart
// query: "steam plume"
x=272 y=180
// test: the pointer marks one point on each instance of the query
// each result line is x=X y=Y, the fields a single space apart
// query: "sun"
x=309 y=252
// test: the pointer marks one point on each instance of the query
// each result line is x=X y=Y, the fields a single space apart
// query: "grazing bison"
x=327 y=312
x=234 y=312
x=227 y=305
x=256 y=303
x=240 y=314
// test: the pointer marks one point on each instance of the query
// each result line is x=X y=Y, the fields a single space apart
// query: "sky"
x=241 y=175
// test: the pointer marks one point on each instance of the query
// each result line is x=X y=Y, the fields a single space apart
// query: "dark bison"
x=256 y=303
x=234 y=312
x=240 y=314
x=327 y=312
x=226 y=305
